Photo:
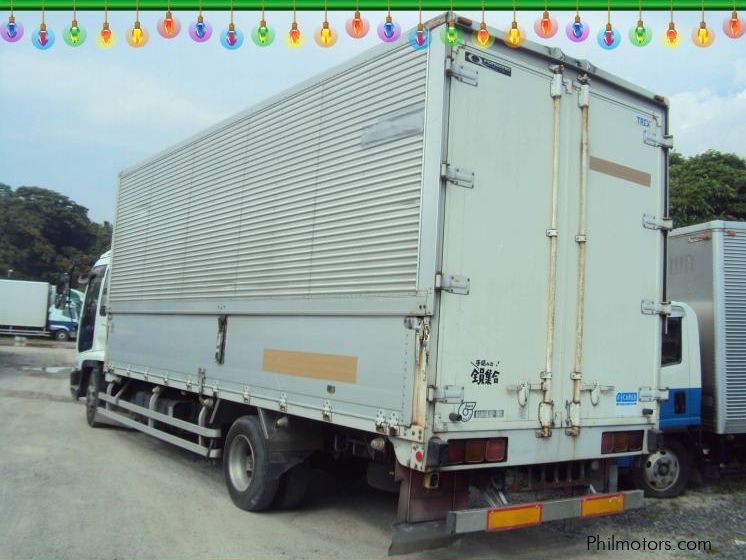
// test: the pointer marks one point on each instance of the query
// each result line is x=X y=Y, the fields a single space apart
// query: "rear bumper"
x=509 y=517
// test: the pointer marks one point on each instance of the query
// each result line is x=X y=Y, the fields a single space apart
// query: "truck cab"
x=91 y=343
x=665 y=472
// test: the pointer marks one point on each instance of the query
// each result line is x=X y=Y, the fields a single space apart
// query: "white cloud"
x=702 y=120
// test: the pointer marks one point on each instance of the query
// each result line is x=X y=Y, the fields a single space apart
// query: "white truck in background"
x=703 y=360
x=448 y=263
x=28 y=309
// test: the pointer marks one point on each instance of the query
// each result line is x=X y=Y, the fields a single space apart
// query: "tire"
x=665 y=473
x=91 y=397
x=293 y=486
x=61 y=336
x=246 y=466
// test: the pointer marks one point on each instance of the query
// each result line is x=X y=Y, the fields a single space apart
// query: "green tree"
x=708 y=186
x=44 y=233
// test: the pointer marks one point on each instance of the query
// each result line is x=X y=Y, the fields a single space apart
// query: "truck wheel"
x=665 y=473
x=91 y=398
x=293 y=486
x=246 y=465
x=61 y=336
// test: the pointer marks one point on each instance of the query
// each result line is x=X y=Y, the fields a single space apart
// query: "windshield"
x=90 y=309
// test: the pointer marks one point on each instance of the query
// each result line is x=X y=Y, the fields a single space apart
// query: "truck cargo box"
x=707 y=269
x=23 y=305
x=430 y=244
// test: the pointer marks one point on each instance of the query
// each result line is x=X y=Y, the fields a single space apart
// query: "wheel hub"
x=241 y=463
x=662 y=469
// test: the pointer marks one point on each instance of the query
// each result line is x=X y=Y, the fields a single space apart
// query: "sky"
x=73 y=118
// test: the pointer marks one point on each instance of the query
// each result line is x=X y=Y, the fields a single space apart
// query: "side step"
x=201 y=431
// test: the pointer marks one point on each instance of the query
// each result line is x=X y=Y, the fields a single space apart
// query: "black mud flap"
x=413 y=537
x=77 y=387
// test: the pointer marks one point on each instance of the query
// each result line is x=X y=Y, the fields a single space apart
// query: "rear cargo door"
x=621 y=344
x=491 y=340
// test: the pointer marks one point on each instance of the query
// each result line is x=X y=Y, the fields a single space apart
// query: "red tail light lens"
x=456 y=450
x=475 y=450
x=635 y=441
x=621 y=442
x=495 y=450
x=607 y=442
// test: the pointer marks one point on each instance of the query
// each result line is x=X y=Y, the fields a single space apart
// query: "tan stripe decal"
x=620 y=171
x=331 y=367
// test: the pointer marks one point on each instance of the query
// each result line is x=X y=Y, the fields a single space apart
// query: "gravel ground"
x=67 y=491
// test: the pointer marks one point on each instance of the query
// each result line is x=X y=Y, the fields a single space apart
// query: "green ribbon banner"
x=366 y=5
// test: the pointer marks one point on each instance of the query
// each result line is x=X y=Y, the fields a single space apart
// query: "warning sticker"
x=487 y=63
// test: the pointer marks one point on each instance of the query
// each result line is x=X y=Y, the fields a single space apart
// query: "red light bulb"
x=357 y=24
x=546 y=23
x=420 y=35
x=608 y=35
x=735 y=25
x=483 y=36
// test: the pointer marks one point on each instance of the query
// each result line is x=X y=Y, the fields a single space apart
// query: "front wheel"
x=246 y=466
x=91 y=398
x=664 y=473
x=61 y=336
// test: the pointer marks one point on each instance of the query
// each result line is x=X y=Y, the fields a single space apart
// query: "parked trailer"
x=447 y=262
x=704 y=359
x=23 y=307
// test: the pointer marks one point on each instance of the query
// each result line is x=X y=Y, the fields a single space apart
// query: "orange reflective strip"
x=513 y=517
x=606 y=504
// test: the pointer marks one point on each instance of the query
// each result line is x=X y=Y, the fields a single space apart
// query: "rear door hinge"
x=453 y=284
x=652 y=139
x=650 y=307
x=453 y=394
x=461 y=72
x=457 y=176
x=651 y=222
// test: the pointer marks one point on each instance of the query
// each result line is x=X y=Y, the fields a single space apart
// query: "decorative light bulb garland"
x=357 y=27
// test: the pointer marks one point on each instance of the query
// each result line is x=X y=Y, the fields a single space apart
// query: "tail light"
x=456 y=448
x=621 y=442
x=477 y=450
x=495 y=450
x=474 y=450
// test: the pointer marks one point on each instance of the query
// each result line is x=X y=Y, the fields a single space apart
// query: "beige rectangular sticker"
x=330 y=367
x=620 y=171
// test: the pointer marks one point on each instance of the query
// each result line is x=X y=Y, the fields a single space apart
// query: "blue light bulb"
x=388 y=29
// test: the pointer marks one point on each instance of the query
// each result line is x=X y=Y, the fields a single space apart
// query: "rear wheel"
x=246 y=466
x=664 y=473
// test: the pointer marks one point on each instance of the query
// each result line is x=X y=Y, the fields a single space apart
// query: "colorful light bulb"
x=105 y=38
x=168 y=26
x=12 y=31
x=231 y=37
x=608 y=38
x=482 y=37
x=357 y=26
x=514 y=36
x=200 y=31
x=262 y=35
x=43 y=38
x=294 y=38
x=74 y=35
x=703 y=36
x=546 y=26
x=137 y=37
x=671 y=38
x=639 y=35
x=450 y=34
x=733 y=26
x=389 y=31
x=419 y=38
x=325 y=36
x=577 y=31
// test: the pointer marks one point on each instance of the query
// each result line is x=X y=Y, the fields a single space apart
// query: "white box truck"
x=28 y=308
x=703 y=361
x=447 y=262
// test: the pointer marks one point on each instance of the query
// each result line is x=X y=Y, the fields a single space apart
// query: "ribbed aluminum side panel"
x=284 y=200
x=734 y=295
